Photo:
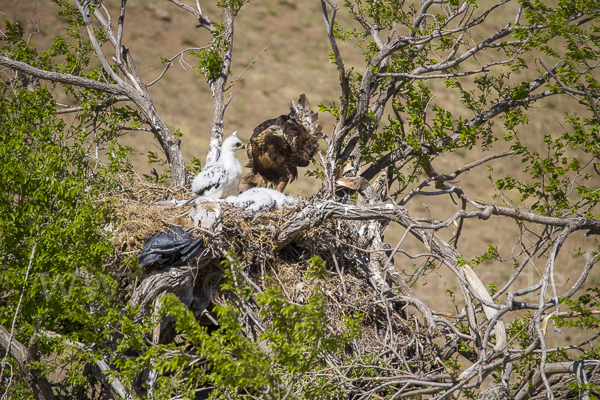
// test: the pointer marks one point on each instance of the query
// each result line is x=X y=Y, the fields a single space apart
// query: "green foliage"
x=384 y=13
x=210 y=61
x=491 y=254
x=233 y=5
x=553 y=183
x=194 y=166
x=592 y=389
x=53 y=178
x=155 y=177
x=50 y=191
x=317 y=267
x=211 y=57
x=318 y=172
x=583 y=311
x=228 y=359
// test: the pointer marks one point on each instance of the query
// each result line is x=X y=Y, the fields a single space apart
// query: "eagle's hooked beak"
x=280 y=133
x=241 y=146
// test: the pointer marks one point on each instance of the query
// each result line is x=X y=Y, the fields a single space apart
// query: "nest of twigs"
x=390 y=335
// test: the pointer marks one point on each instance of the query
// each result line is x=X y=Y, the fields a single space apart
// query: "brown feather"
x=274 y=160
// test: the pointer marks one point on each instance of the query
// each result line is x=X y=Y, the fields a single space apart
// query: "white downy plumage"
x=221 y=178
x=261 y=199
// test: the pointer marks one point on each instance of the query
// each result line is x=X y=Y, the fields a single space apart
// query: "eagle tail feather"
x=308 y=118
x=254 y=180
x=304 y=104
x=249 y=180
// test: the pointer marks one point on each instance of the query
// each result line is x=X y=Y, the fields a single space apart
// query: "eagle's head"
x=233 y=143
x=275 y=130
x=272 y=136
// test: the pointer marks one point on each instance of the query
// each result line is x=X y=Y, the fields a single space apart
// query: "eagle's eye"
x=277 y=132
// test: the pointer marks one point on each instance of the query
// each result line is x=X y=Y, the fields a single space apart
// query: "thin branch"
x=67 y=79
x=483 y=69
x=104 y=369
x=568 y=367
x=72 y=109
x=12 y=329
x=107 y=67
x=169 y=62
x=335 y=262
x=482 y=118
x=120 y=32
x=248 y=67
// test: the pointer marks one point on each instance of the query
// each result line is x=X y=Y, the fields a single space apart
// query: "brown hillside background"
x=297 y=61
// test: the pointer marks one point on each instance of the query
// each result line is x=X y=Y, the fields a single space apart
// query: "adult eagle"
x=280 y=145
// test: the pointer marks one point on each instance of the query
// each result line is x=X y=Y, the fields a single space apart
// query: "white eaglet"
x=261 y=199
x=221 y=178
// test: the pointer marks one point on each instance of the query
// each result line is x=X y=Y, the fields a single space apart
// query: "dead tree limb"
x=132 y=86
x=22 y=356
x=113 y=383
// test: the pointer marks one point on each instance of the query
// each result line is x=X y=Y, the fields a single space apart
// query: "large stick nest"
x=389 y=335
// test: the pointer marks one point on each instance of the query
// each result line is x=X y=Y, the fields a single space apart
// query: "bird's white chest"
x=220 y=179
x=234 y=172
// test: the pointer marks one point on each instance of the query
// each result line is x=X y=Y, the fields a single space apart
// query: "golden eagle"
x=280 y=145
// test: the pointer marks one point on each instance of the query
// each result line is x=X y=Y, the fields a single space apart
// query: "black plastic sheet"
x=171 y=247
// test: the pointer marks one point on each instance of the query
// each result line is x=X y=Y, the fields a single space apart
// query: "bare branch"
x=577 y=223
x=169 y=62
x=113 y=382
x=568 y=367
x=96 y=45
x=71 y=109
x=218 y=89
x=63 y=78
x=120 y=31
x=7 y=346
x=203 y=21
x=340 y=130
x=22 y=356
x=483 y=69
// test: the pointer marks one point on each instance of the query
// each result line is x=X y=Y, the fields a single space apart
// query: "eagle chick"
x=221 y=178
x=261 y=199
x=280 y=145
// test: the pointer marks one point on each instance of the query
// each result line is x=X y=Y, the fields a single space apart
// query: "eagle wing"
x=303 y=131
x=212 y=178
x=276 y=162
x=302 y=143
